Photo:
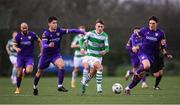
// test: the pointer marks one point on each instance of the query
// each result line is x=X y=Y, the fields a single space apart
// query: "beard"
x=25 y=32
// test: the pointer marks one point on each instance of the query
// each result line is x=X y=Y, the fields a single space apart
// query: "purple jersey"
x=151 y=40
x=51 y=54
x=26 y=43
x=56 y=38
x=134 y=40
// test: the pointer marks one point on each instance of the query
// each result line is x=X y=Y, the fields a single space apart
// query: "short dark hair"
x=50 y=19
x=137 y=27
x=154 y=18
x=99 y=21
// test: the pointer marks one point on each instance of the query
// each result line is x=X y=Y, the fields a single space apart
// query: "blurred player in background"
x=77 y=56
x=135 y=42
x=97 y=46
x=24 y=46
x=51 y=43
x=12 y=56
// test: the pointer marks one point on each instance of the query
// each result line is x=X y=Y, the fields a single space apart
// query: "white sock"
x=127 y=88
x=85 y=76
x=59 y=86
x=99 y=80
x=35 y=87
x=74 y=76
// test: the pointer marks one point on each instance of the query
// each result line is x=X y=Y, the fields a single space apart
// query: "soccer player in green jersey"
x=12 y=56
x=97 y=45
x=77 y=56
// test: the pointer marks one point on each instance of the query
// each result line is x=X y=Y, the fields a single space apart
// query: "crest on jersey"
x=143 y=57
x=21 y=38
x=156 y=34
x=29 y=37
x=51 y=35
x=57 y=34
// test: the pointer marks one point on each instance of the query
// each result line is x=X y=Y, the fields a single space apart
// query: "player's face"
x=99 y=28
x=53 y=25
x=136 y=30
x=24 y=28
x=152 y=25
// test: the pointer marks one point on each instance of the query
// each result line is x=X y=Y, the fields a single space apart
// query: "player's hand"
x=51 y=44
x=134 y=49
x=103 y=52
x=18 y=49
x=169 y=56
x=82 y=51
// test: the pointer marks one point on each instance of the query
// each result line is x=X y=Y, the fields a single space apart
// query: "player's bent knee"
x=146 y=66
x=39 y=73
x=156 y=74
x=86 y=66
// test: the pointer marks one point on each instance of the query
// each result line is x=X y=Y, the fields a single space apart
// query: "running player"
x=24 y=46
x=97 y=46
x=157 y=69
x=152 y=38
x=135 y=42
x=77 y=56
x=12 y=56
x=51 y=43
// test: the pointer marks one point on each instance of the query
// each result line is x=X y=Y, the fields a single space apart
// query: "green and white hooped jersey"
x=96 y=43
x=10 y=47
x=77 y=52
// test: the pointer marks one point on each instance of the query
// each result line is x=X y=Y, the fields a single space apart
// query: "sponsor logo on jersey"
x=151 y=38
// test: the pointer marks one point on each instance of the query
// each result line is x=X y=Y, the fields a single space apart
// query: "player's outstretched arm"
x=7 y=48
x=15 y=44
x=76 y=31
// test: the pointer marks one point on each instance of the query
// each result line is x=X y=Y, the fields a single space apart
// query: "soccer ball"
x=117 y=88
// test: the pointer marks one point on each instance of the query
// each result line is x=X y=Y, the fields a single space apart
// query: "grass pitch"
x=48 y=94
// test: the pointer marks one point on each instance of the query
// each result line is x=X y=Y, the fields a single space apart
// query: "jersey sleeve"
x=128 y=44
x=163 y=40
x=16 y=41
x=35 y=36
x=133 y=37
x=76 y=31
x=142 y=31
x=63 y=31
x=45 y=40
x=82 y=39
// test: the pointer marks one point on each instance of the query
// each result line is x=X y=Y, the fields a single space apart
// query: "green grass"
x=48 y=94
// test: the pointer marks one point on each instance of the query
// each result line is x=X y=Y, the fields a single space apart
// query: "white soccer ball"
x=117 y=88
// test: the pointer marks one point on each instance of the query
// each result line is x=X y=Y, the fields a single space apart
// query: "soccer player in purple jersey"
x=153 y=37
x=51 y=43
x=24 y=46
x=135 y=41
